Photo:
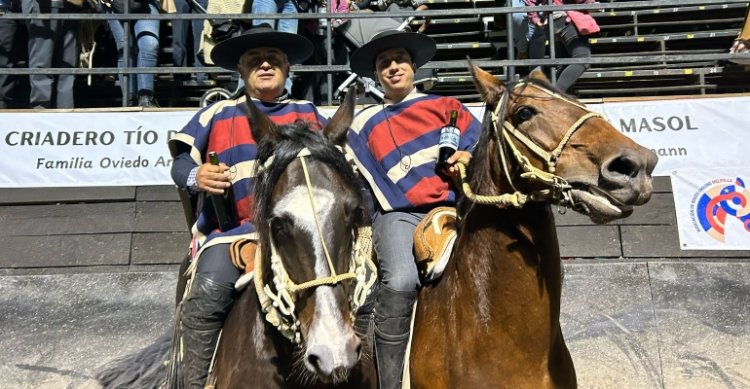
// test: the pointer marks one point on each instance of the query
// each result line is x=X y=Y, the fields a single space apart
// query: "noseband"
x=280 y=306
x=559 y=191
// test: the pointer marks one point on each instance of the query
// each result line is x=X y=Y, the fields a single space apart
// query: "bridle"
x=279 y=306
x=558 y=190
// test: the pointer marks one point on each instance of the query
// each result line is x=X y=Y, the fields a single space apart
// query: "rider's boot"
x=393 y=311
x=203 y=314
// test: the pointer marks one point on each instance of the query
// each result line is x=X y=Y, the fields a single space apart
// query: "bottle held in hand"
x=223 y=204
x=450 y=136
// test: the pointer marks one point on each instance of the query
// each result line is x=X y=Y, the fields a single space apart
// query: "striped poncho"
x=224 y=128
x=395 y=147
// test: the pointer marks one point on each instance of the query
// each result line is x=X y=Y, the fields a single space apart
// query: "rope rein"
x=559 y=190
x=315 y=216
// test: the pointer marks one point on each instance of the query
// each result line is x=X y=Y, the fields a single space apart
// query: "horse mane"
x=284 y=148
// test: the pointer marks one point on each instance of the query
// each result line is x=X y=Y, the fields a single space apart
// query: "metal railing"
x=329 y=68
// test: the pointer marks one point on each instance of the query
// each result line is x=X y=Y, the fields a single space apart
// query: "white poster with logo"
x=713 y=208
x=48 y=149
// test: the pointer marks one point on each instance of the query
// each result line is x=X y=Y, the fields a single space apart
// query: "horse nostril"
x=321 y=359
x=314 y=361
x=625 y=166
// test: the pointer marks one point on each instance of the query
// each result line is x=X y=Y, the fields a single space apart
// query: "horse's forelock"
x=292 y=139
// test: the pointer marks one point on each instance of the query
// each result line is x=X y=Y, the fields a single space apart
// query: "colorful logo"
x=717 y=200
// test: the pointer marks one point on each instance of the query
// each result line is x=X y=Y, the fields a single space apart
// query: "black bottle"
x=223 y=204
x=450 y=136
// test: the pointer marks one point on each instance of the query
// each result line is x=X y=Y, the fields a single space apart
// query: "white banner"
x=43 y=149
x=689 y=132
x=713 y=208
x=46 y=149
x=686 y=133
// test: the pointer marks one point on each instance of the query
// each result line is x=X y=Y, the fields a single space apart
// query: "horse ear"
x=260 y=126
x=538 y=74
x=341 y=121
x=488 y=86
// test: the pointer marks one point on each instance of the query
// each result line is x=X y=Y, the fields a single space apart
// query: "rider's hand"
x=459 y=156
x=212 y=178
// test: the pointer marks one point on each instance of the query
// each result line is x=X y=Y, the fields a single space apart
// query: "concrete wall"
x=114 y=229
x=636 y=311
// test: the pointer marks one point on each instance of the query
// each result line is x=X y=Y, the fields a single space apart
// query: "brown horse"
x=309 y=203
x=492 y=320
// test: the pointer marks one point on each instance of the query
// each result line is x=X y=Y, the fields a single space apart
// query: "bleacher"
x=691 y=34
x=675 y=31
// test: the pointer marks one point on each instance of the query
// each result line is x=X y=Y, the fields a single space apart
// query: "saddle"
x=242 y=253
x=433 y=242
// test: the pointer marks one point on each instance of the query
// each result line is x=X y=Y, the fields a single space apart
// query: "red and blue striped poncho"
x=224 y=128
x=395 y=147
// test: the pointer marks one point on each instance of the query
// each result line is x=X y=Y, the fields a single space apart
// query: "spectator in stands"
x=405 y=5
x=9 y=52
x=288 y=7
x=263 y=57
x=144 y=54
x=182 y=30
x=535 y=35
x=520 y=30
x=572 y=28
x=215 y=31
x=313 y=86
x=742 y=43
x=395 y=147
x=52 y=43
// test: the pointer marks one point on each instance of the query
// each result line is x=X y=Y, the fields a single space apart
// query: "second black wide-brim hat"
x=227 y=53
x=421 y=48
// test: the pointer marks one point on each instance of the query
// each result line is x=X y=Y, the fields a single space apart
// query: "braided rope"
x=315 y=216
x=516 y=199
x=280 y=306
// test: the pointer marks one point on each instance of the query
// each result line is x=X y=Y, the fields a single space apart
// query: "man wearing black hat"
x=395 y=145
x=263 y=57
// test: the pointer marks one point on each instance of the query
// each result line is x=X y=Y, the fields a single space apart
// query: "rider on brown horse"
x=396 y=149
x=263 y=57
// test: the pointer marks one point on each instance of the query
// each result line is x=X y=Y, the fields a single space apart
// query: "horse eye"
x=524 y=113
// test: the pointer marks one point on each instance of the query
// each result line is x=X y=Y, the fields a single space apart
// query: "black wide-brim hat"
x=227 y=53
x=421 y=48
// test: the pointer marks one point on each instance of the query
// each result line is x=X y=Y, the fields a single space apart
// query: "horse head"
x=550 y=146
x=309 y=210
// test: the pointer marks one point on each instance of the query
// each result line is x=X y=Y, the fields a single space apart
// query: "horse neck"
x=507 y=257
